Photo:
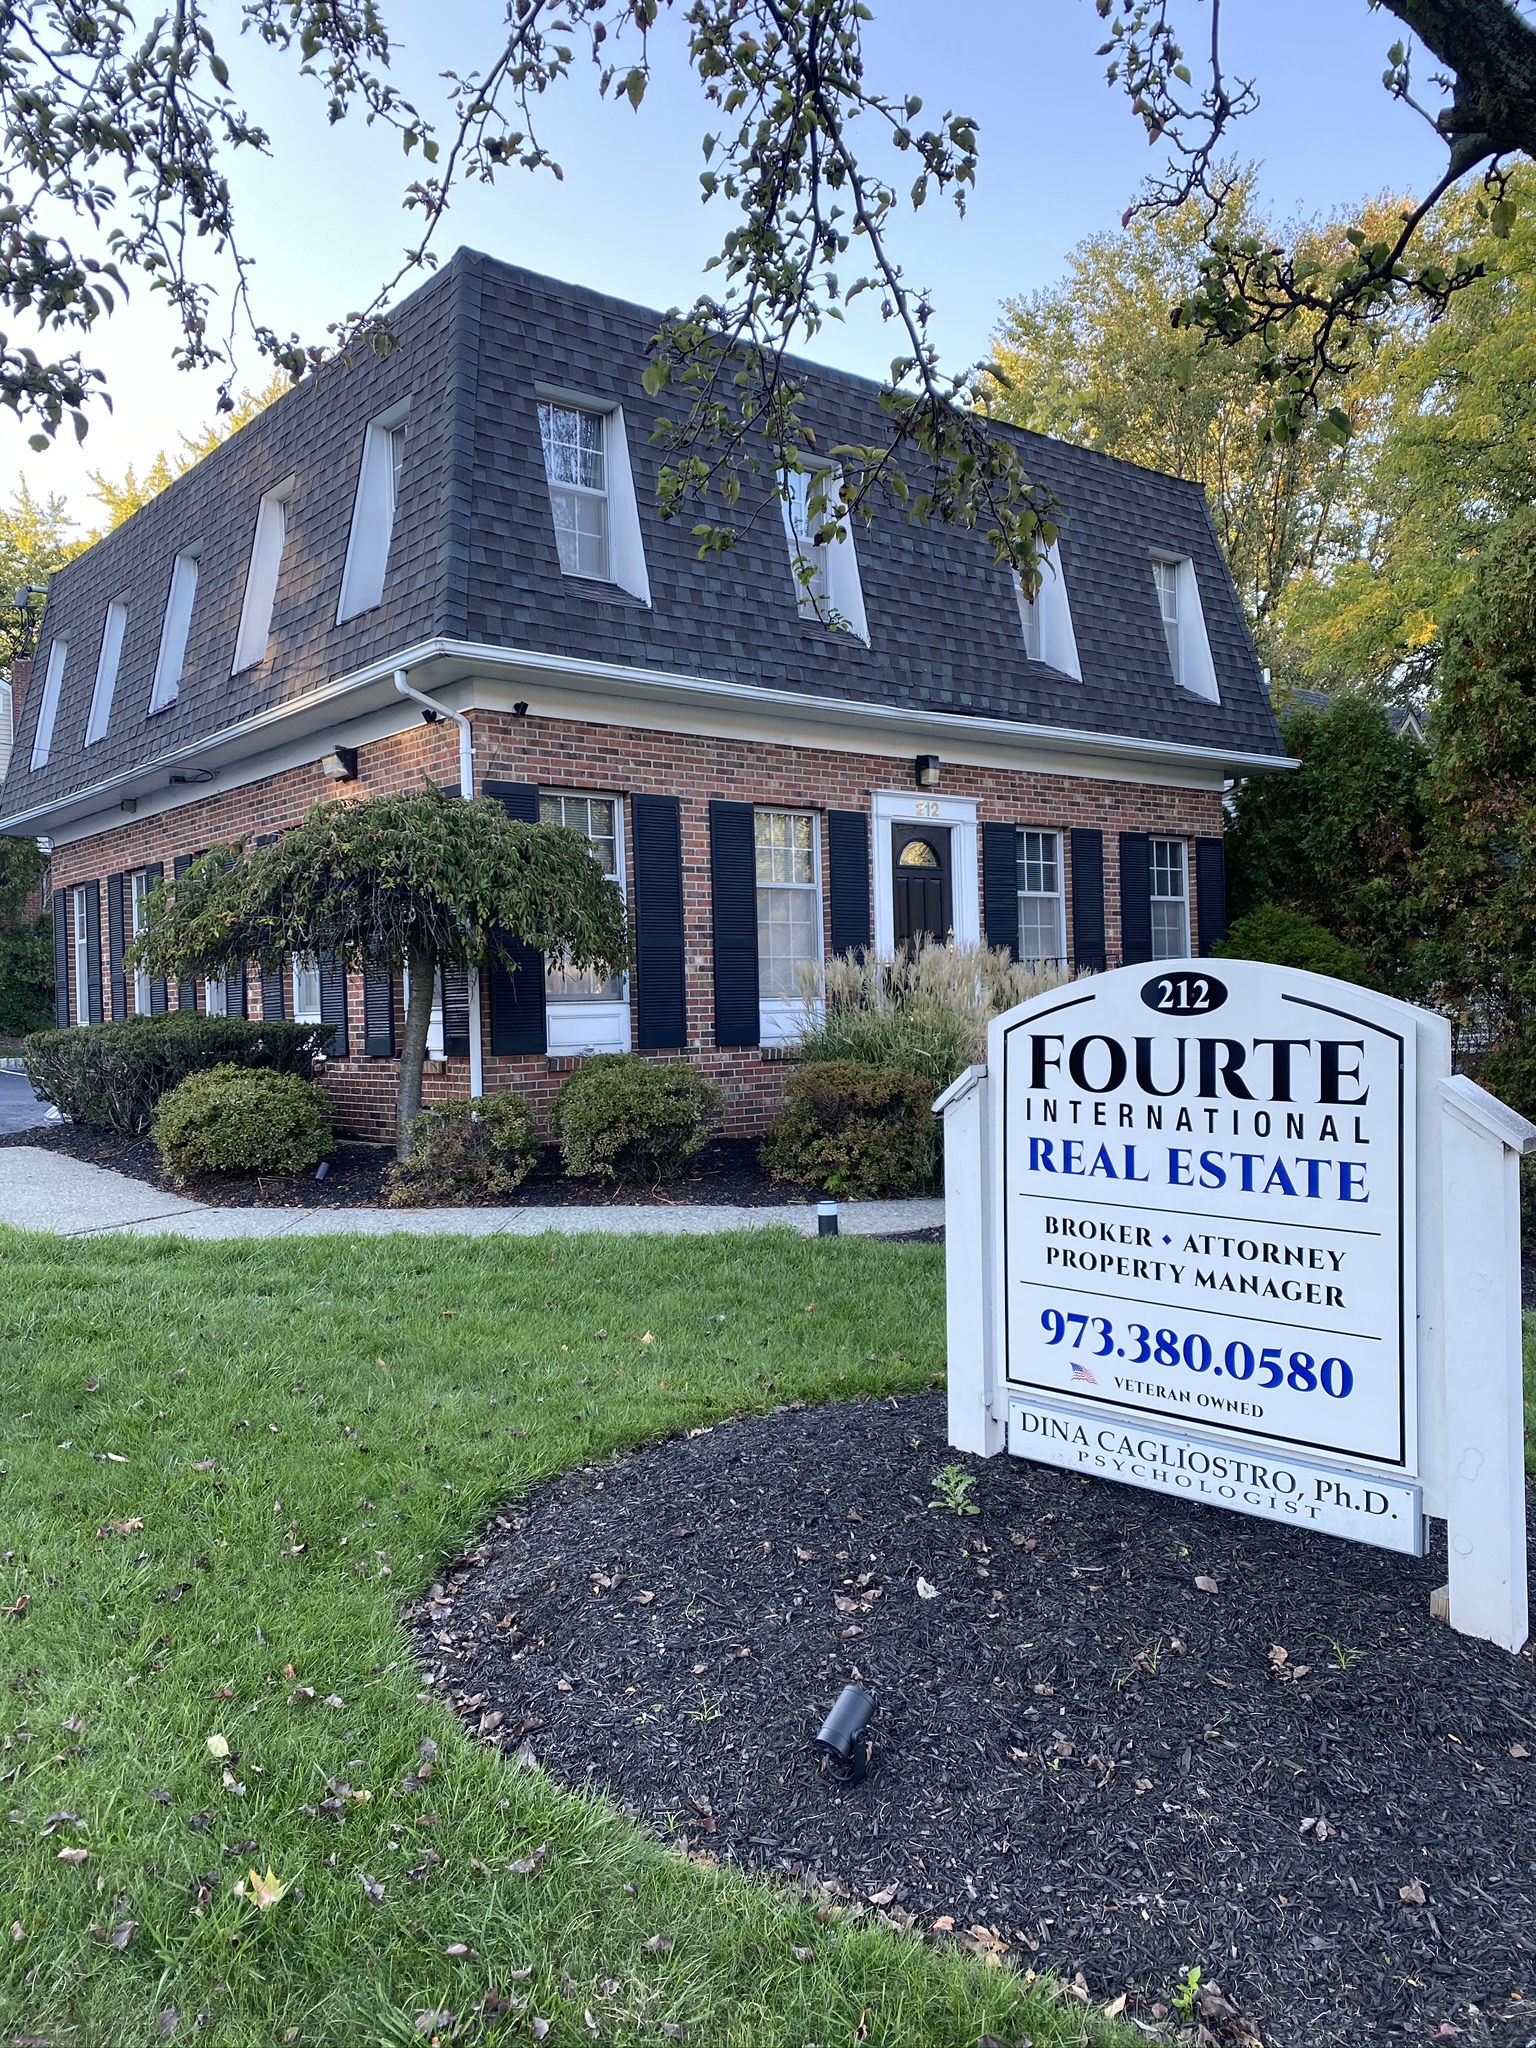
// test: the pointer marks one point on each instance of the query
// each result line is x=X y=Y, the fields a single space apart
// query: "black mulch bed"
x=1300 y=1784
x=726 y=1171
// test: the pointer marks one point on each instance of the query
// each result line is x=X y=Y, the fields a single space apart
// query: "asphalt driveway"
x=19 y=1107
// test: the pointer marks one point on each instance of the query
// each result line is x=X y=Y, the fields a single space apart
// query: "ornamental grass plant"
x=926 y=1011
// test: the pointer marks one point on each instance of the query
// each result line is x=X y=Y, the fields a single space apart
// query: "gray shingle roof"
x=473 y=558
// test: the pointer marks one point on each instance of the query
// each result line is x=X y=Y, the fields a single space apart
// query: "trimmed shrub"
x=476 y=1149
x=853 y=1129
x=26 y=978
x=115 y=1074
x=1290 y=940
x=242 y=1120
x=625 y=1118
x=926 y=1012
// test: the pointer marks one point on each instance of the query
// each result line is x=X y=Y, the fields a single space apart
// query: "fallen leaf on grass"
x=1202 y=1585
x=1412 y=1893
x=1116 y=2006
x=802 y=1955
x=73 y=1855
x=657 y=1944
x=203 y=1465
x=122 y=1934
x=217 y=1746
x=372 y=1887
x=114 y=1527
x=607 y=1987
x=55 y=1821
x=264 y=1892
x=167 y=2023
x=459 y=1951
x=432 y=2022
x=22 y=1602
x=525 y=1866
x=883 y=1898
x=232 y=1784
x=18 y=1932
x=538 y=2028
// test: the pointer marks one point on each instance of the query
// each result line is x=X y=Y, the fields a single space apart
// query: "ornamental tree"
x=420 y=881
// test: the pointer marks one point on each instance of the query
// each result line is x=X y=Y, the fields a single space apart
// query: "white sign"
x=1223 y=1475
x=1234 y=1232
x=1203 y=1183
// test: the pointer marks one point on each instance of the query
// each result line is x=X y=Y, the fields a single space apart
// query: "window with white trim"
x=788 y=903
x=304 y=976
x=1170 y=900
x=216 y=998
x=1183 y=620
x=261 y=578
x=48 y=705
x=1166 y=576
x=139 y=885
x=576 y=464
x=113 y=627
x=1041 y=919
x=80 y=903
x=821 y=552
x=1046 y=618
x=373 y=514
x=1029 y=619
x=597 y=819
x=174 y=629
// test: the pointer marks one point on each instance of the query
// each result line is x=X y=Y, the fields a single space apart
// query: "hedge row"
x=115 y=1074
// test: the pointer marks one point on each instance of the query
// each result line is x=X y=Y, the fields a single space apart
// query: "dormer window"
x=261 y=578
x=576 y=463
x=113 y=627
x=1046 y=618
x=821 y=553
x=1178 y=604
x=373 y=514
x=177 y=624
x=48 y=706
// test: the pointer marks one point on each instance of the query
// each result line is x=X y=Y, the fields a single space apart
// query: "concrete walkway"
x=41 y=1190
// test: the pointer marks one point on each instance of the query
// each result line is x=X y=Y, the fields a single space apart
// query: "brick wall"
x=558 y=754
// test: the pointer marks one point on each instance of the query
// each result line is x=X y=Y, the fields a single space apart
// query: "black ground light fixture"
x=826 y=1219
x=844 y=1744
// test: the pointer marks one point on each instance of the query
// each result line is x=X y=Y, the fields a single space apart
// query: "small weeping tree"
x=421 y=881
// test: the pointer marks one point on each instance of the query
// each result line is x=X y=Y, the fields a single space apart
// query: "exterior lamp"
x=844 y=1744
x=927 y=766
x=826 y=1219
x=340 y=764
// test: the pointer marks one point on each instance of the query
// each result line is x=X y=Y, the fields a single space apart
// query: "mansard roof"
x=473 y=560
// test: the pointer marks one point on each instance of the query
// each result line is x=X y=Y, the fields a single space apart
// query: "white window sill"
x=575 y=1026
x=781 y=1022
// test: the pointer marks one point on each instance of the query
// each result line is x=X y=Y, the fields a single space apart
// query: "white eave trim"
x=458 y=661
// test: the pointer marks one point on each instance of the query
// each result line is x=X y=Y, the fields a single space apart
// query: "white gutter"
x=466 y=791
x=462 y=654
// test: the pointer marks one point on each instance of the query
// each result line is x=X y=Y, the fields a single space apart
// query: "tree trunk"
x=421 y=966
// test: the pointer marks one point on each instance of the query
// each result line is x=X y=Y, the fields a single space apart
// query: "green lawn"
x=223 y=1467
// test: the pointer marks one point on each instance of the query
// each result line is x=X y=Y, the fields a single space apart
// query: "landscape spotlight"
x=826 y=1219
x=844 y=1742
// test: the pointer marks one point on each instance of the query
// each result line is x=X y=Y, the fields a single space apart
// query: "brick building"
x=776 y=764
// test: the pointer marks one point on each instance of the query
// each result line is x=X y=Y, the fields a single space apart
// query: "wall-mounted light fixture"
x=340 y=764
x=129 y=804
x=520 y=709
x=844 y=1743
x=927 y=770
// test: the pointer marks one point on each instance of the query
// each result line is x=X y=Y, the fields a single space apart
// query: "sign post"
x=1240 y=1237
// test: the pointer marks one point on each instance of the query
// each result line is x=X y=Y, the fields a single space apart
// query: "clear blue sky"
x=1060 y=156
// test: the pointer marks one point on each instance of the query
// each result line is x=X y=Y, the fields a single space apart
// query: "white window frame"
x=890 y=807
x=304 y=1012
x=584 y=1024
x=174 y=631
x=1056 y=897
x=80 y=910
x=48 y=705
x=588 y=494
x=215 y=998
x=261 y=578
x=138 y=897
x=781 y=1019
x=113 y=626
x=1046 y=618
x=1179 y=897
x=833 y=594
x=373 y=513
x=1177 y=591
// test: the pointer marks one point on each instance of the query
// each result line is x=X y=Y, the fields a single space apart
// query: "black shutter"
x=1087 y=898
x=155 y=872
x=93 y=950
x=516 y=971
x=661 y=1007
x=848 y=883
x=115 y=975
x=456 y=1013
x=733 y=892
x=379 y=1016
x=333 y=1005
x=234 y=993
x=1210 y=892
x=60 y=958
x=186 y=991
x=274 y=1006
x=1135 y=897
x=1000 y=886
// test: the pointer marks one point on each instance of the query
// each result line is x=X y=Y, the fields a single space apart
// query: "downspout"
x=466 y=790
